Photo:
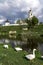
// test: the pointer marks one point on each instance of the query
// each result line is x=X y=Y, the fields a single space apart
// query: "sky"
x=18 y=9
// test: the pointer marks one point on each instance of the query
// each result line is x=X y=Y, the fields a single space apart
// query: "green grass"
x=38 y=28
x=11 y=57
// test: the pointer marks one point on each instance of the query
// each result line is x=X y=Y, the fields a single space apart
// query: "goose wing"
x=30 y=56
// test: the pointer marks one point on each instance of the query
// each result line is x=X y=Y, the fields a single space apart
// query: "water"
x=27 y=45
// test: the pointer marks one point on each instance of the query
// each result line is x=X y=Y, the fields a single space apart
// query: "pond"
x=26 y=45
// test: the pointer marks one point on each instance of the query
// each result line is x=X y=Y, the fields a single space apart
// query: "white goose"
x=5 y=46
x=42 y=57
x=31 y=56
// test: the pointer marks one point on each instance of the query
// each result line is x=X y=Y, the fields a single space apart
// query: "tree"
x=28 y=22
x=34 y=20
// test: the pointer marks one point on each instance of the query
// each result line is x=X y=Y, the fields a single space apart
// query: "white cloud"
x=2 y=19
x=4 y=6
x=20 y=4
x=40 y=16
x=12 y=7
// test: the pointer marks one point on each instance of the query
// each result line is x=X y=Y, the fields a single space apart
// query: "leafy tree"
x=34 y=20
x=28 y=22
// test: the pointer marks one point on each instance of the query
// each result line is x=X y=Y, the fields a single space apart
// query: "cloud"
x=2 y=19
x=4 y=6
x=13 y=9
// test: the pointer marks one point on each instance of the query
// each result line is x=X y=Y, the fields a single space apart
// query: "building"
x=7 y=23
x=21 y=22
x=30 y=15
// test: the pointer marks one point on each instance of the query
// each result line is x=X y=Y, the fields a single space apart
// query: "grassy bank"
x=11 y=57
x=19 y=29
x=38 y=29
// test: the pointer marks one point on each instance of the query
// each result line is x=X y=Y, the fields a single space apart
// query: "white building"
x=7 y=23
x=30 y=15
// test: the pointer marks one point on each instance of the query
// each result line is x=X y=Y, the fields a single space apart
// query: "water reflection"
x=40 y=47
x=5 y=41
x=26 y=45
x=32 y=43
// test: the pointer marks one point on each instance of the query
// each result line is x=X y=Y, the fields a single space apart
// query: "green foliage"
x=29 y=23
x=32 y=23
x=34 y=20
x=19 y=37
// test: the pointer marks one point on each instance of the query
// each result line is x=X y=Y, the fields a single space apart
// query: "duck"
x=31 y=56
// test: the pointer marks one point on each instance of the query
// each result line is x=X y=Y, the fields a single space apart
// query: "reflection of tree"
x=19 y=37
x=32 y=43
x=24 y=36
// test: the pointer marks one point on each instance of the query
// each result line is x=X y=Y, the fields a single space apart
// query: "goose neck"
x=34 y=52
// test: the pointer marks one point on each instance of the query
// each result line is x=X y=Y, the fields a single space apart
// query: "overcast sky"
x=16 y=9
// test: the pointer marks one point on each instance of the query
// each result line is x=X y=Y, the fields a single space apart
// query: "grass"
x=11 y=57
x=38 y=28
